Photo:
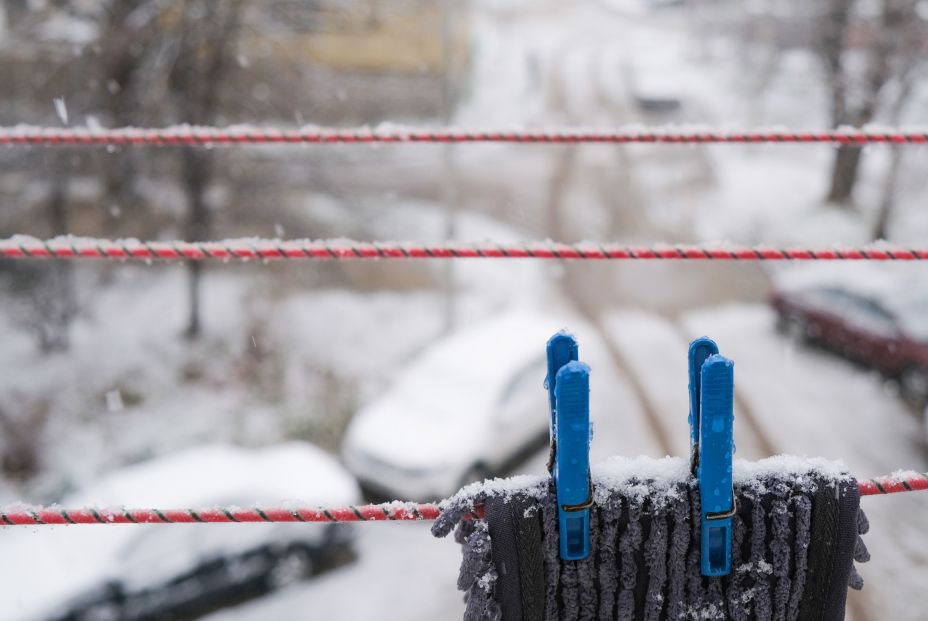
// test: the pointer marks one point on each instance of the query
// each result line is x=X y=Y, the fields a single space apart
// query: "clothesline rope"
x=184 y=135
x=393 y=511
x=24 y=247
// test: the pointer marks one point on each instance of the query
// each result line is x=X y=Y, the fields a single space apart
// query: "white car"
x=471 y=406
x=180 y=571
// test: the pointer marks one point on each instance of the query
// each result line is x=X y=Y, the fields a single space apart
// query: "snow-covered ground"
x=288 y=354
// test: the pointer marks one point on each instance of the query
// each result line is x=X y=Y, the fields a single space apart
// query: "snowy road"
x=402 y=574
x=655 y=352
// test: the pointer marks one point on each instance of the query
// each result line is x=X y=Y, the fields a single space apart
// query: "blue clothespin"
x=568 y=384
x=572 y=461
x=562 y=348
x=712 y=446
x=699 y=352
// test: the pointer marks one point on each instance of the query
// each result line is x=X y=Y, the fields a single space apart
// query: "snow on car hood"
x=74 y=560
x=416 y=440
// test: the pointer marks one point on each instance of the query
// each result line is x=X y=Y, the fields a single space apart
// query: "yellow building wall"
x=399 y=40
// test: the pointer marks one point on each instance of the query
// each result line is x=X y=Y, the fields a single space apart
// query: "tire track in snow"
x=579 y=296
x=761 y=443
x=648 y=407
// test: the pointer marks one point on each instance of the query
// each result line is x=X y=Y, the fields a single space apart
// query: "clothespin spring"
x=583 y=505
x=726 y=514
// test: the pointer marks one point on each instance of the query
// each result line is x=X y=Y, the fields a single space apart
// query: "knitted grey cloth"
x=794 y=537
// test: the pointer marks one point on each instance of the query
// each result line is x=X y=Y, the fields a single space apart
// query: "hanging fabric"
x=795 y=536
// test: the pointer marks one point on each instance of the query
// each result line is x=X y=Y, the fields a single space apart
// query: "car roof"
x=201 y=474
x=488 y=353
x=891 y=285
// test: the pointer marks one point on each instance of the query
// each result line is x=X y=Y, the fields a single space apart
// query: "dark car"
x=217 y=582
x=889 y=337
x=149 y=572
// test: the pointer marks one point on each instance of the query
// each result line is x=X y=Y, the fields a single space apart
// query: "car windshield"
x=826 y=298
x=453 y=385
x=434 y=388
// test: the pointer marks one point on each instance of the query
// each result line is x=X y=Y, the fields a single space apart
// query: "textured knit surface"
x=645 y=554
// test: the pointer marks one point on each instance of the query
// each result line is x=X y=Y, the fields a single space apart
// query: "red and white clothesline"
x=393 y=511
x=188 y=135
x=24 y=247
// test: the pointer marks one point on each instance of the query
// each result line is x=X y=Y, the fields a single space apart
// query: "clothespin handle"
x=699 y=352
x=714 y=464
x=572 y=461
x=562 y=348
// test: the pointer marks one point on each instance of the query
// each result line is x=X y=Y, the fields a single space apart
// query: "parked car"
x=181 y=571
x=471 y=406
x=656 y=82
x=886 y=330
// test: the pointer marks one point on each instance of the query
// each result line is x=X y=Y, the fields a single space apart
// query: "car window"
x=166 y=552
x=158 y=553
x=869 y=316
x=826 y=299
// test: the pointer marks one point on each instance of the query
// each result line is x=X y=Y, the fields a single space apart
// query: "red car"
x=889 y=337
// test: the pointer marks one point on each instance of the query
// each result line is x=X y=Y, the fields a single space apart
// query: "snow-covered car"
x=656 y=73
x=878 y=322
x=925 y=421
x=181 y=571
x=471 y=406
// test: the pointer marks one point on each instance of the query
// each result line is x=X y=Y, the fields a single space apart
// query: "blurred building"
x=321 y=61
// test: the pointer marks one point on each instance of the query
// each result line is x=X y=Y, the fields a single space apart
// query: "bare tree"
x=205 y=45
x=20 y=448
x=891 y=180
x=14 y=11
x=127 y=39
x=861 y=56
x=46 y=300
x=59 y=305
x=450 y=187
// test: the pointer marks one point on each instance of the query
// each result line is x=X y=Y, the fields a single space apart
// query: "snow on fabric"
x=797 y=522
x=656 y=479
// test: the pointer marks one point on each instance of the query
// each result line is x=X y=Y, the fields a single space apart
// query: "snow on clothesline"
x=191 y=135
x=25 y=515
x=69 y=247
